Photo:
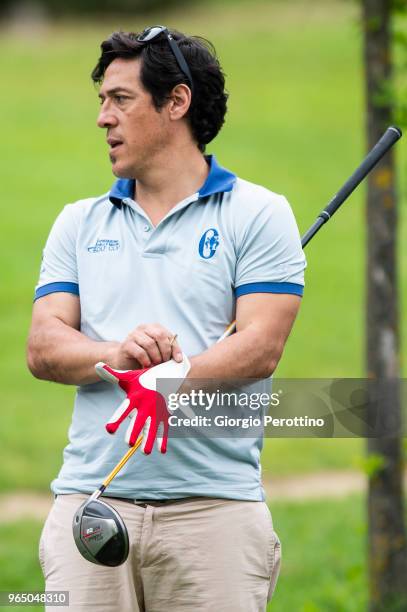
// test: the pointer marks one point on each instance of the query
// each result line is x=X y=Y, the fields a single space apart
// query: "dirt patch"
x=24 y=504
x=317 y=485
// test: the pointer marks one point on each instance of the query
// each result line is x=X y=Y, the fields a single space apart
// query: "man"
x=179 y=246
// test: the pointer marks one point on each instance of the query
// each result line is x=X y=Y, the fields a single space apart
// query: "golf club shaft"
x=389 y=138
x=116 y=469
x=391 y=135
x=122 y=462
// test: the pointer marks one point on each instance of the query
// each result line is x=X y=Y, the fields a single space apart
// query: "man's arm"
x=263 y=324
x=58 y=351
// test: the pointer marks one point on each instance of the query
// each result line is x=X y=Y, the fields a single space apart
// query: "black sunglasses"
x=149 y=34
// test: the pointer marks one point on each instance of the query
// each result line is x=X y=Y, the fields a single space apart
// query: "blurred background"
x=295 y=124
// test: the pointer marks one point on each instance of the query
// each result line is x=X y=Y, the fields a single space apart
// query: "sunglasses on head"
x=150 y=34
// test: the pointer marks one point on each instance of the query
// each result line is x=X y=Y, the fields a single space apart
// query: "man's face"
x=136 y=131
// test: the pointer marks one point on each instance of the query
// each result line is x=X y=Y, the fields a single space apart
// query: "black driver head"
x=100 y=533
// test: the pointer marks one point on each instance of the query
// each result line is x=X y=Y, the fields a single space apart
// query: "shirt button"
x=146 y=228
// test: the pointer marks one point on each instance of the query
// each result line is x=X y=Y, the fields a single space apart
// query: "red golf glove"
x=146 y=407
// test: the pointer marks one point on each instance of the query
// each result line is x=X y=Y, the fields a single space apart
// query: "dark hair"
x=160 y=73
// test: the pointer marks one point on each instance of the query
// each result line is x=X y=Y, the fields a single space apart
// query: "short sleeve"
x=58 y=267
x=270 y=257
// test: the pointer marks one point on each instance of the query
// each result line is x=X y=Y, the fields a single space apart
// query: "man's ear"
x=179 y=102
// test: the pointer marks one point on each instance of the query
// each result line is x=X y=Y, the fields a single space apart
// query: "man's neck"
x=166 y=183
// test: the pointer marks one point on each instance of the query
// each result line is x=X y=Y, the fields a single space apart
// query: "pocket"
x=274 y=562
x=41 y=551
x=43 y=542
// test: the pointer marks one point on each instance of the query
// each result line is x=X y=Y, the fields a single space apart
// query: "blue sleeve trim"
x=55 y=287
x=292 y=288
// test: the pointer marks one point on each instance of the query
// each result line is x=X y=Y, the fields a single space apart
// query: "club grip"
x=391 y=135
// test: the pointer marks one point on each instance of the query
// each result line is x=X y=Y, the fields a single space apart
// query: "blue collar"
x=218 y=180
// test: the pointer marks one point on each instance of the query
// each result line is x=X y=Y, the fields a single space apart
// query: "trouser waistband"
x=148 y=502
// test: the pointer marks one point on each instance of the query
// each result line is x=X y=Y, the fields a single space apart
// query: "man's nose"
x=106 y=117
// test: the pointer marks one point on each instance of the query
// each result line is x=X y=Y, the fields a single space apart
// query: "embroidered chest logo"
x=208 y=243
x=103 y=245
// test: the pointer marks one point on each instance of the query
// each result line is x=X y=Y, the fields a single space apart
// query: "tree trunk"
x=386 y=532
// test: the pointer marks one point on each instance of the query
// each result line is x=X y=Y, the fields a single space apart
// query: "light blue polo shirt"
x=229 y=239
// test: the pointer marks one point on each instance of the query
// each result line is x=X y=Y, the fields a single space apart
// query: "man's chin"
x=122 y=172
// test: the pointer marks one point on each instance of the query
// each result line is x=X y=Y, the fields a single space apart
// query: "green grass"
x=323 y=545
x=323 y=555
x=282 y=457
x=19 y=566
x=295 y=124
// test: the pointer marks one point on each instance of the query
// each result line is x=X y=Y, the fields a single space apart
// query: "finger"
x=118 y=416
x=159 y=436
x=163 y=342
x=129 y=429
x=136 y=429
x=162 y=436
x=133 y=351
x=176 y=352
x=163 y=339
x=164 y=439
x=149 y=345
x=144 y=433
x=151 y=431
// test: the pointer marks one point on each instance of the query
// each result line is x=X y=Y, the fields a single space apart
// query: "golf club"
x=99 y=532
x=389 y=138
x=98 y=529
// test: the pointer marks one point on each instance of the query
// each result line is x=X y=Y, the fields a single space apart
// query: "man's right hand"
x=147 y=345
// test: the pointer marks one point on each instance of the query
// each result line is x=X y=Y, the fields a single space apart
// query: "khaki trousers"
x=194 y=555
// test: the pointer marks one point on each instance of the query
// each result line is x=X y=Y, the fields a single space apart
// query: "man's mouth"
x=114 y=143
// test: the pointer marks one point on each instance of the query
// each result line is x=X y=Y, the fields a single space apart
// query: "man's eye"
x=118 y=99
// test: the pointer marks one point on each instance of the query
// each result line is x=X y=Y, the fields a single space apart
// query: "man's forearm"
x=264 y=322
x=62 y=354
x=246 y=354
